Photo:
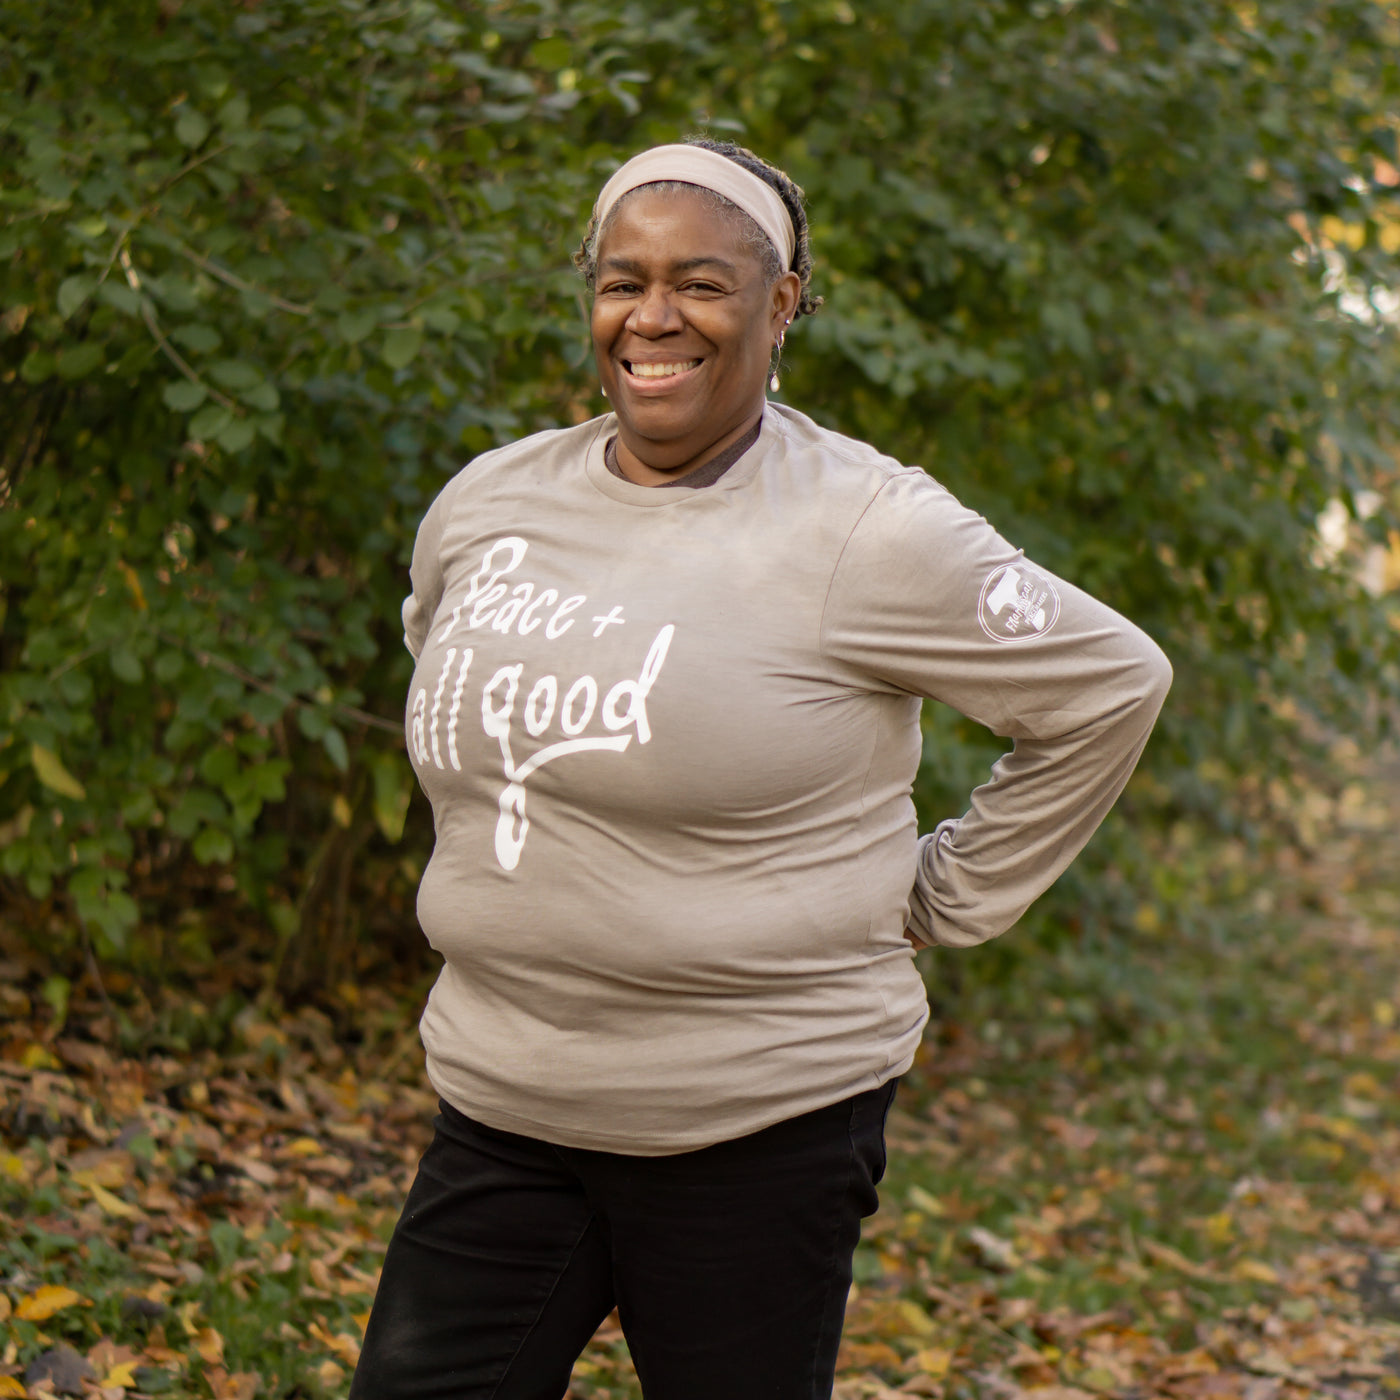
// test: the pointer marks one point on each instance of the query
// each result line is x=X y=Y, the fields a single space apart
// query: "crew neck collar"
x=630 y=493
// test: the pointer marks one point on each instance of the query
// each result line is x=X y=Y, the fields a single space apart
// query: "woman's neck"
x=639 y=465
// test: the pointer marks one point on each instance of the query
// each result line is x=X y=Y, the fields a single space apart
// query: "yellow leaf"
x=13 y=1167
x=9 y=1386
x=932 y=1361
x=1174 y=1259
x=112 y=1205
x=121 y=1376
x=1256 y=1270
x=38 y=1056
x=1220 y=1227
x=304 y=1147
x=5 y=1309
x=345 y=1347
x=1390 y=571
x=242 y=1385
x=53 y=774
x=41 y=1305
x=1349 y=235
x=915 y=1318
x=112 y=1171
x=922 y=1200
x=210 y=1345
x=138 y=594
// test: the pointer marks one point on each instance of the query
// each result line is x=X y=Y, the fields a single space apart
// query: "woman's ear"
x=787 y=292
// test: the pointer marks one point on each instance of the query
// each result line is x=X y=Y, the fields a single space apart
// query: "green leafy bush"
x=270 y=273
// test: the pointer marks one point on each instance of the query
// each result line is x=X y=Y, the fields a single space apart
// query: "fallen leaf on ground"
x=61 y=1370
x=44 y=1302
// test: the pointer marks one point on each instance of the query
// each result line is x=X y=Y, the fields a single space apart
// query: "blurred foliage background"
x=1121 y=273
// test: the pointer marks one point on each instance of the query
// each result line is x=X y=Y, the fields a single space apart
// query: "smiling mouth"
x=667 y=369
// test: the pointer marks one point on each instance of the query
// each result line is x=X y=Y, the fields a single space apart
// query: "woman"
x=666 y=709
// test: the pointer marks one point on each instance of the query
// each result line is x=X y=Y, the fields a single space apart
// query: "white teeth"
x=662 y=371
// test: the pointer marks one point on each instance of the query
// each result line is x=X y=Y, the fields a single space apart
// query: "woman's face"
x=682 y=328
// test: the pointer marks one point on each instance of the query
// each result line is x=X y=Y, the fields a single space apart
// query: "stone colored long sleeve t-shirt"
x=669 y=739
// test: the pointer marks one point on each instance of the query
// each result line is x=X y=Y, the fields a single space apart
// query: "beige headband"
x=694 y=165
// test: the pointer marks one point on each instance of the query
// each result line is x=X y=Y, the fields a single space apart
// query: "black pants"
x=729 y=1266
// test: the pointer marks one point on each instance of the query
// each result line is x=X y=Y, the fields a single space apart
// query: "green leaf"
x=123 y=298
x=269 y=426
x=393 y=787
x=56 y=991
x=401 y=346
x=54 y=776
x=233 y=115
x=200 y=338
x=169 y=664
x=74 y=291
x=112 y=913
x=552 y=54
x=37 y=366
x=237 y=435
x=285 y=116
x=219 y=764
x=211 y=420
x=80 y=360
x=354 y=326
x=262 y=396
x=212 y=846
x=184 y=395
x=333 y=741
x=177 y=294
x=441 y=319
x=57 y=186
x=196 y=806
x=126 y=666
x=190 y=127
x=499 y=196
x=235 y=374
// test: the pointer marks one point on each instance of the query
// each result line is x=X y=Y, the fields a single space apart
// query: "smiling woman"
x=683 y=327
x=692 y=299
x=678 y=883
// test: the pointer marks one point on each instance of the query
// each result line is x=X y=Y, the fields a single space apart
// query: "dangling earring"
x=775 y=383
x=602 y=391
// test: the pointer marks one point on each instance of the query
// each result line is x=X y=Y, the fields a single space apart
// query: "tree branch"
x=231 y=668
x=239 y=284
x=174 y=356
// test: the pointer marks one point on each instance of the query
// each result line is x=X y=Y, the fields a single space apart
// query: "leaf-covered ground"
x=1169 y=1167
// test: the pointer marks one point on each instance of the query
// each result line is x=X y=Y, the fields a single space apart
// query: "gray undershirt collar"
x=706 y=475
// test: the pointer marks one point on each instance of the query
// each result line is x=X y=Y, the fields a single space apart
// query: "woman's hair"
x=586 y=259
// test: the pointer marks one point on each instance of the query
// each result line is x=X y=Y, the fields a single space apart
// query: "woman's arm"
x=929 y=599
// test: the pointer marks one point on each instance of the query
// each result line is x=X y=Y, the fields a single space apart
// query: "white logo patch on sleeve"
x=1017 y=604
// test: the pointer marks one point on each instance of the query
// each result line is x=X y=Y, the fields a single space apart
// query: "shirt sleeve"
x=928 y=599
x=425 y=575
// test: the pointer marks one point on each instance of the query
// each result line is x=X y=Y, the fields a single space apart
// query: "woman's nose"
x=654 y=314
